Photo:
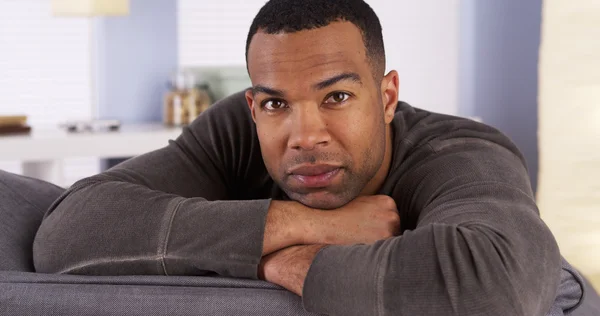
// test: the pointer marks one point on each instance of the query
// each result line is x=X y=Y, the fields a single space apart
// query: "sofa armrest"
x=23 y=204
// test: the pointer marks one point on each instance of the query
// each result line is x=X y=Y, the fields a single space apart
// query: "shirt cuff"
x=346 y=280
x=225 y=237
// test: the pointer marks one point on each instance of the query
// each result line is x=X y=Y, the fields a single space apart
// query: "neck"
x=377 y=181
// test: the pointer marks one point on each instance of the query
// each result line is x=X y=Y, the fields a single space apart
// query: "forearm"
x=127 y=228
x=288 y=267
x=112 y=227
x=506 y=268
x=364 y=220
x=290 y=223
x=287 y=224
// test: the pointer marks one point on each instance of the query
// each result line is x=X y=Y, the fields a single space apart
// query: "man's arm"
x=479 y=248
x=176 y=211
x=169 y=211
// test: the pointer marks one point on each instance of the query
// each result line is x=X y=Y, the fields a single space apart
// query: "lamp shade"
x=90 y=7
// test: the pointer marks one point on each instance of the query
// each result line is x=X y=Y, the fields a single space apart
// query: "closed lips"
x=312 y=170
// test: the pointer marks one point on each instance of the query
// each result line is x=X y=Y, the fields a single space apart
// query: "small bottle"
x=205 y=97
x=192 y=98
x=178 y=109
x=199 y=98
x=175 y=112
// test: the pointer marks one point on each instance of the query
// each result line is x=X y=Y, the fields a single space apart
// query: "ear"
x=251 y=104
x=390 y=85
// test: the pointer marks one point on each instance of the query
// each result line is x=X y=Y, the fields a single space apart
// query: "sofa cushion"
x=23 y=202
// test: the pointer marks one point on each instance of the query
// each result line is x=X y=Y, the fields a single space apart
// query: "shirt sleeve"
x=164 y=212
x=479 y=246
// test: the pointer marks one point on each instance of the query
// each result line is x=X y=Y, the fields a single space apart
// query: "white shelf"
x=49 y=144
x=42 y=151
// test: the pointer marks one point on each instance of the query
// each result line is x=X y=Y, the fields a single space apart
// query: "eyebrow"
x=351 y=76
x=266 y=90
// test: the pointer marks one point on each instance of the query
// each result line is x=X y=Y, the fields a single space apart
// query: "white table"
x=42 y=151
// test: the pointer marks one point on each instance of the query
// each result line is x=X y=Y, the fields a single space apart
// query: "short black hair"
x=289 y=16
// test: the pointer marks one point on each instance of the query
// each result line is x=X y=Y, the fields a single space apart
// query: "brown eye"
x=272 y=105
x=337 y=97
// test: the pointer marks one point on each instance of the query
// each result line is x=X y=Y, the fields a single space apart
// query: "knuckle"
x=388 y=202
x=394 y=219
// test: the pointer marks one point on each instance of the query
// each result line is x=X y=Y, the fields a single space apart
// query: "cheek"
x=270 y=145
x=356 y=131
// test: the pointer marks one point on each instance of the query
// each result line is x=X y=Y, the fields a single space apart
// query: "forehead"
x=303 y=57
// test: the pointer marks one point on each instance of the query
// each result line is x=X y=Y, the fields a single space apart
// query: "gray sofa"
x=23 y=202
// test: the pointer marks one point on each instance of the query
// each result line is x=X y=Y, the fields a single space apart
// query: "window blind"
x=213 y=33
x=45 y=72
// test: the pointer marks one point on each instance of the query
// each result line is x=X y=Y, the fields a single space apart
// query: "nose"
x=309 y=129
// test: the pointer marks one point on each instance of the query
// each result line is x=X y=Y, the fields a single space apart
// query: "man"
x=319 y=180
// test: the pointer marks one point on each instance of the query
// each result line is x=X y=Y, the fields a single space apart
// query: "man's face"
x=319 y=113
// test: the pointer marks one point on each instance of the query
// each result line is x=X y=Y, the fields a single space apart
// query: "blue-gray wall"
x=499 y=65
x=136 y=56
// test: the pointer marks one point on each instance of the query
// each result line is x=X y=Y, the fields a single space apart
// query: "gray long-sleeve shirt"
x=472 y=240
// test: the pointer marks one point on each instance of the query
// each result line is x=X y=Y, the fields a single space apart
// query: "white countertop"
x=53 y=143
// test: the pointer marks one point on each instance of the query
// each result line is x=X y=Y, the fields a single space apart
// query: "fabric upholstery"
x=46 y=294
x=23 y=202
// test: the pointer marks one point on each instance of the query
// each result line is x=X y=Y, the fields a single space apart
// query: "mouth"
x=315 y=176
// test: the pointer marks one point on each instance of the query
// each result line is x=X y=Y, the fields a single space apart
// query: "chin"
x=320 y=200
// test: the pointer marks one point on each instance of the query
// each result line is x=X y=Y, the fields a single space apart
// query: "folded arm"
x=479 y=248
